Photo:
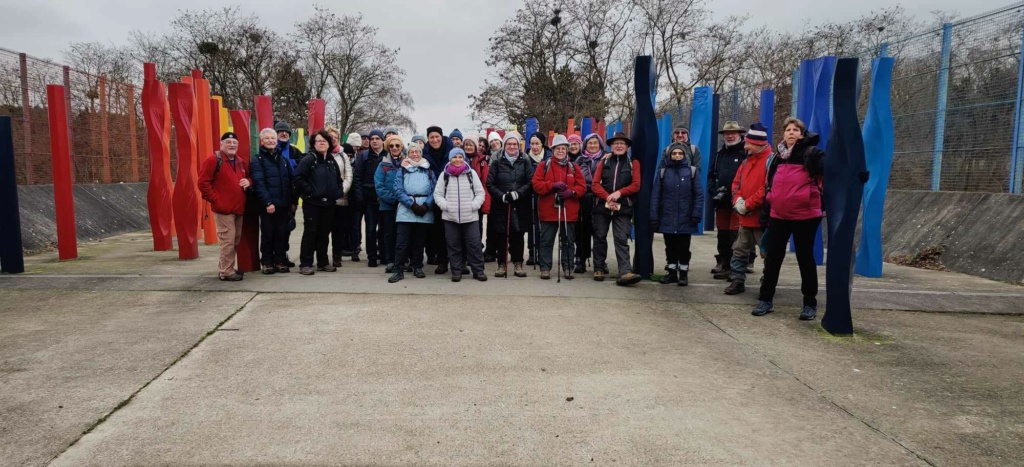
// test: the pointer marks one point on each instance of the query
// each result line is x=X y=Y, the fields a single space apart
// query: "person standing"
x=384 y=183
x=681 y=135
x=355 y=232
x=509 y=182
x=419 y=140
x=793 y=194
x=721 y=172
x=460 y=195
x=616 y=184
x=292 y=154
x=223 y=183
x=748 y=185
x=456 y=138
x=593 y=150
x=478 y=161
x=272 y=184
x=677 y=206
x=414 y=187
x=366 y=196
x=436 y=153
x=496 y=145
x=341 y=227
x=559 y=185
x=538 y=153
x=318 y=182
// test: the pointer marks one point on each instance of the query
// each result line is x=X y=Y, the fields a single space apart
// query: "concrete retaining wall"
x=100 y=211
x=983 y=232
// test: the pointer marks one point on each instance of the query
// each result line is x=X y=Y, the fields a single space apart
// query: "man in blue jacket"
x=293 y=155
x=272 y=184
x=366 y=196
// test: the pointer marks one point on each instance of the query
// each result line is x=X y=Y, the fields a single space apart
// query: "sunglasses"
x=395 y=146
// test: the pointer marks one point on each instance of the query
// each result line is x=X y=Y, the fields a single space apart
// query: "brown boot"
x=545 y=275
x=735 y=288
x=599 y=275
x=520 y=271
x=502 y=271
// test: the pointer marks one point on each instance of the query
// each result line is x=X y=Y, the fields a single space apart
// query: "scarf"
x=785 y=152
x=423 y=163
x=456 y=171
x=536 y=159
x=511 y=159
x=563 y=162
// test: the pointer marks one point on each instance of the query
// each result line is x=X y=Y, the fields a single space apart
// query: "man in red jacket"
x=223 y=181
x=559 y=185
x=748 y=190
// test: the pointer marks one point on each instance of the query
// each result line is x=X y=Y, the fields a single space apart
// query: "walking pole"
x=508 y=233
x=558 y=232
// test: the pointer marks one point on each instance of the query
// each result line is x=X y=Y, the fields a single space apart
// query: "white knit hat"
x=493 y=136
x=354 y=140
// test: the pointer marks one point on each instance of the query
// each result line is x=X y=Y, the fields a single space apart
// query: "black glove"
x=419 y=209
x=695 y=220
x=655 y=223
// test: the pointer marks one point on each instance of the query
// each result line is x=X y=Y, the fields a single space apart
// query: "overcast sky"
x=443 y=42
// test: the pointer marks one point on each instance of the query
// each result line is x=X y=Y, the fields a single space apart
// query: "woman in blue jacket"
x=414 y=188
x=677 y=206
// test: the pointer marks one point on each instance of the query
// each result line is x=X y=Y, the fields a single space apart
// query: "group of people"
x=432 y=196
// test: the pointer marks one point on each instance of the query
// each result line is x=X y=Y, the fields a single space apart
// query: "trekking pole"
x=558 y=233
x=508 y=233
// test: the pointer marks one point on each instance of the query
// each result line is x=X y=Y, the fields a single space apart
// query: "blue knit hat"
x=758 y=134
x=456 y=134
x=376 y=132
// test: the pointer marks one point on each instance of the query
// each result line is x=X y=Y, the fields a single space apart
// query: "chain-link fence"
x=106 y=131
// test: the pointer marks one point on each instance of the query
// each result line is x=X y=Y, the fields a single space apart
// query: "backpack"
x=447 y=177
x=693 y=175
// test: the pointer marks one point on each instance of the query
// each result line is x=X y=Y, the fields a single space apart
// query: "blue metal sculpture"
x=879 y=144
x=701 y=129
x=767 y=114
x=645 y=149
x=531 y=127
x=12 y=259
x=814 y=107
x=845 y=174
x=586 y=126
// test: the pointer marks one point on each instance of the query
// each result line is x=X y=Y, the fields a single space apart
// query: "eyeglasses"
x=395 y=146
x=682 y=133
x=319 y=141
x=677 y=153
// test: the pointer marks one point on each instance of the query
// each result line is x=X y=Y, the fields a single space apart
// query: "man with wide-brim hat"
x=721 y=172
x=616 y=184
x=681 y=135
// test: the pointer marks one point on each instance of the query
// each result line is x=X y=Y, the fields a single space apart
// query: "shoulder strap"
x=220 y=161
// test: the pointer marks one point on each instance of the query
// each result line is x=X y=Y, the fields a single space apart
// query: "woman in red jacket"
x=793 y=196
x=559 y=185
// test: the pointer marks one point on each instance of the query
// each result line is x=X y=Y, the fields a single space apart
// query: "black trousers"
x=584 y=231
x=515 y=246
x=464 y=244
x=388 y=231
x=677 y=251
x=318 y=222
x=409 y=246
x=778 y=234
x=355 y=233
x=437 y=238
x=374 y=243
x=341 y=230
x=274 y=237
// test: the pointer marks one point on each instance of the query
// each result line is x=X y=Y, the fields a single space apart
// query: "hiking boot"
x=599 y=276
x=456 y=277
x=371 y=263
x=763 y=308
x=567 y=273
x=736 y=288
x=684 y=279
x=808 y=313
x=530 y=261
x=441 y=269
x=432 y=260
x=290 y=263
x=480 y=277
x=722 y=276
x=337 y=261
x=355 y=257
x=502 y=271
x=520 y=271
x=327 y=268
x=397 y=276
x=268 y=269
x=390 y=268
x=545 y=275
x=306 y=270
x=418 y=273
x=489 y=258
x=283 y=269
x=234 y=277
x=719 y=268
x=749 y=269
x=408 y=268
x=628 y=279
x=346 y=252
x=671 y=277
x=581 y=268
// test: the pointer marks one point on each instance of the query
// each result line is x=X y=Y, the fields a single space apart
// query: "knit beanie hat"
x=434 y=129
x=348 y=149
x=574 y=138
x=457 y=151
x=376 y=132
x=758 y=134
x=282 y=126
x=416 y=138
x=456 y=134
x=354 y=140
x=493 y=136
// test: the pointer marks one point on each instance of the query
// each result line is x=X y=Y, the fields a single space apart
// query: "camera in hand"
x=720 y=195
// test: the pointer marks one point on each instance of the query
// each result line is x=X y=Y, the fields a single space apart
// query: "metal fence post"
x=132 y=131
x=67 y=100
x=940 y=113
x=104 y=133
x=796 y=89
x=26 y=118
x=1017 y=152
x=735 y=104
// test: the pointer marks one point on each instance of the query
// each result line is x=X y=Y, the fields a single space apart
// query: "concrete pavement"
x=130 y=357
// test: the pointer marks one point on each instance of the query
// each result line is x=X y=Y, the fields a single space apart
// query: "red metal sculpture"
x=249 y=245
x=186 y=202
x=264 y=112
x=60 y=153
x=315 y=112
x=154 y=112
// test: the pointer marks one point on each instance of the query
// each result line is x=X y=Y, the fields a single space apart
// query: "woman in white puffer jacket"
x=460 y=194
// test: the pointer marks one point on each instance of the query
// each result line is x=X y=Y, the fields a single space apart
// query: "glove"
x=565 y=193
x=559 y=186
x=655 y=223
x=741 y=207
x=419 y=209
x=505 y=198
x=515 y=195
x=695 y=220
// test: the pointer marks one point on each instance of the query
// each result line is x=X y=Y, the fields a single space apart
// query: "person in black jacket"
x=366 y=197
x=272 y=183
x=318 y=182
x=510 y=184
x=436 y=152
x=721 y=173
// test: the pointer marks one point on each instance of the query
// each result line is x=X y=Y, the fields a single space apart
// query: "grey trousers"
x=463 y=242
x=747 y=240
x=620 y=226
x=566 y=245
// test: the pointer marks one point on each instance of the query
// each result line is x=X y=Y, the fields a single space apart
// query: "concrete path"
x=130 y=357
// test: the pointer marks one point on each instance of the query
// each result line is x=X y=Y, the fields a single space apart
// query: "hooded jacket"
x=677 y=198
x=414 y=184
x=459 y=196
x=384 y=182
x=545 y=176
x=221 y=187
